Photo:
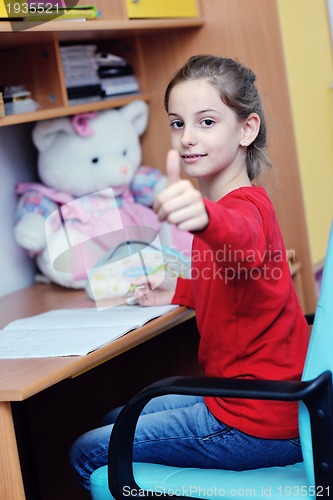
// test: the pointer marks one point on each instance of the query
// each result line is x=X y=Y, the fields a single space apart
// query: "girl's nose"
x=188 y=138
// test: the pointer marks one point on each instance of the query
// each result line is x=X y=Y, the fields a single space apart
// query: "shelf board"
x=44 y=114
x=66 y=30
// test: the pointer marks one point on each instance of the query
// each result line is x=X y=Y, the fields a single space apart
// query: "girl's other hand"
x=180 y=203
x=154 y=290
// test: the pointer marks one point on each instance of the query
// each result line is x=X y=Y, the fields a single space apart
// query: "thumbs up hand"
x=173 y=167
x=180 y=203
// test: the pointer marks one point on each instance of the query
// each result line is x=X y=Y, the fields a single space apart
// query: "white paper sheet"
x=72 y=332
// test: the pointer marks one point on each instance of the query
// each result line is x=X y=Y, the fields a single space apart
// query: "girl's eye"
x=177 y=124
x=207 y=122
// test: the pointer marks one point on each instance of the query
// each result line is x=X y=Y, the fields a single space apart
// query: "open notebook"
x=72 y=332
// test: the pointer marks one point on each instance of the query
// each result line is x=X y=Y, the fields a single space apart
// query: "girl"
x=250 y=323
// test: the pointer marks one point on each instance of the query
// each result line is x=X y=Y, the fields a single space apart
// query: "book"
x=90 y=74
x=113 y=71
x=72 y=332
x=18 y=99
x=117 y=79
x=77 y=50
x=106 y=58
x=23 y=105
x=120 y=85
x=80 y=72
x=84 y=91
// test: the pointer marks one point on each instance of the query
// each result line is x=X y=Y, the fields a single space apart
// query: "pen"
x=154 y=271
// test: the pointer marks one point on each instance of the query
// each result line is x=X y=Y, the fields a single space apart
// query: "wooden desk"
x=23 y=378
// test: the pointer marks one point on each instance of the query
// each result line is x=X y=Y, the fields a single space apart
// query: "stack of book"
x=91 y=75
x=116 y=75
x=80 y=72
x=17 y=99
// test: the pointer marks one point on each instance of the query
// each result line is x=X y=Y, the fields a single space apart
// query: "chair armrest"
x=316 y=394
x=310 y=318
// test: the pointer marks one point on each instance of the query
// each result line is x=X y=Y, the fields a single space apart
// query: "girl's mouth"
x=192 y=157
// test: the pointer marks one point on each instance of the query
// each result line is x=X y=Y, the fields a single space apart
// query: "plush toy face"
x=83 y=164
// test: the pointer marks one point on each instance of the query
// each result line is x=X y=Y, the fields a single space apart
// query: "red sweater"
x=250 y=322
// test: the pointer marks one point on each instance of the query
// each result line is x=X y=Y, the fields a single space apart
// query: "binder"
x=60 y=13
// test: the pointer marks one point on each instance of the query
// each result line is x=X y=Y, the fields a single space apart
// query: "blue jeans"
x=181 y=431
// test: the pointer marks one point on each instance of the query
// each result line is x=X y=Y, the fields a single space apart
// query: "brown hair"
x=237 y=89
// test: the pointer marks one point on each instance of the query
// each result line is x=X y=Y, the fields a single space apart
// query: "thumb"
x=173 y=167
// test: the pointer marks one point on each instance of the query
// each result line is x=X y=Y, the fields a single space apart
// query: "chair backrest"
x=319 y=357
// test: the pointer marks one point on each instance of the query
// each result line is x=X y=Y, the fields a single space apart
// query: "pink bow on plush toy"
x=80 y=123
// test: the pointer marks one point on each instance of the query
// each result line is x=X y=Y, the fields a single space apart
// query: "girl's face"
x=206 y=133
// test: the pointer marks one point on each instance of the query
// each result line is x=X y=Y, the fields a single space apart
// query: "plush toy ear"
x=45 y=132
x=136 y=113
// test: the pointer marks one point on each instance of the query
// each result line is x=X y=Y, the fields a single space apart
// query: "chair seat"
x=272 y=482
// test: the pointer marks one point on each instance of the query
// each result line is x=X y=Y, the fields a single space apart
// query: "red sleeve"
x=235 y=227
x=184 y=293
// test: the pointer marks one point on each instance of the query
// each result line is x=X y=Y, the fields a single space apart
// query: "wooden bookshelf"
x=30 y=53
x=115 y=28
x=45 y=114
